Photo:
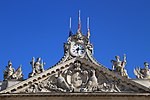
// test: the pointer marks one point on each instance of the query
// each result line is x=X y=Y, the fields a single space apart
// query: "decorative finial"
x=88 y=27
x=88 y=23
x=79 y=22
x=70 y=23
x=70 y=31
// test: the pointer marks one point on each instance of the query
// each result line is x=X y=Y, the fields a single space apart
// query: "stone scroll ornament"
x=77 y=78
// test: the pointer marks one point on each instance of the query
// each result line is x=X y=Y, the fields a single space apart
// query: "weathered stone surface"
x=76 y=96
x=142 y=73
x=11 y=74
x=76 y=76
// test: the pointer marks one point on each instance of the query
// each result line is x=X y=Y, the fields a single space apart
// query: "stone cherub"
x=119 y=66
x=11 y=74
x=142 y=73
x=37 y=66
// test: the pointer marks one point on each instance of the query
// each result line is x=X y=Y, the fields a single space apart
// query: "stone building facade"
x=76 y=76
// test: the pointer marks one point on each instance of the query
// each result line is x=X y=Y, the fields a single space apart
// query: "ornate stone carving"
x=37 y=67
x=119 y=66
x=66 y=47
x=79 y=37
x=90 y=48
x=10 y=72
x=142 y=73
x=77 y=78
x=18 y=74
x=111 y=87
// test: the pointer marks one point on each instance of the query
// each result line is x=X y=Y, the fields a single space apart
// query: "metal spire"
x=79 y=22
x=88 y=27
x=70 y=24
x=70 y=31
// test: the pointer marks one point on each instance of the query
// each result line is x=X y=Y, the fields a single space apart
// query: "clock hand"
x=77 y=49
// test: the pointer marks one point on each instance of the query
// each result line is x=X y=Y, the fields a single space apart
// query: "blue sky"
x=40 y=27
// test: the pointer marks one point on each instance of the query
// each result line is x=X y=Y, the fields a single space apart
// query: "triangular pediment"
x=77 y=71
x=77 y=75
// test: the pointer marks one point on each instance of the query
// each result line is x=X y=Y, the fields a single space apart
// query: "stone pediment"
x=77 y=75
x=76 y=72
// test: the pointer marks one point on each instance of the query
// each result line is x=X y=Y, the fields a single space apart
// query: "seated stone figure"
x=142 y=73
x=11 y=74
x=37 y=67
x=18 y=74
x=9 y=71
x=119 y=66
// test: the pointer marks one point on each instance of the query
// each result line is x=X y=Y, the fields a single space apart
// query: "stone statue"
x=9 y=71
x=93 y=82
x=142 y=73
x=37 y=67
x=61 y=82
x=119 y=66
x=18 y=74
x=11 y=74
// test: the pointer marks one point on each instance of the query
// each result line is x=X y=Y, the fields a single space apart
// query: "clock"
x=77 y=50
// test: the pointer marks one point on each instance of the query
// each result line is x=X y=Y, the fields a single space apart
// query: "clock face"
x=77 y=50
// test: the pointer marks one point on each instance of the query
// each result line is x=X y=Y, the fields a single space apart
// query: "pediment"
x=77 y=75
x=76 y=72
